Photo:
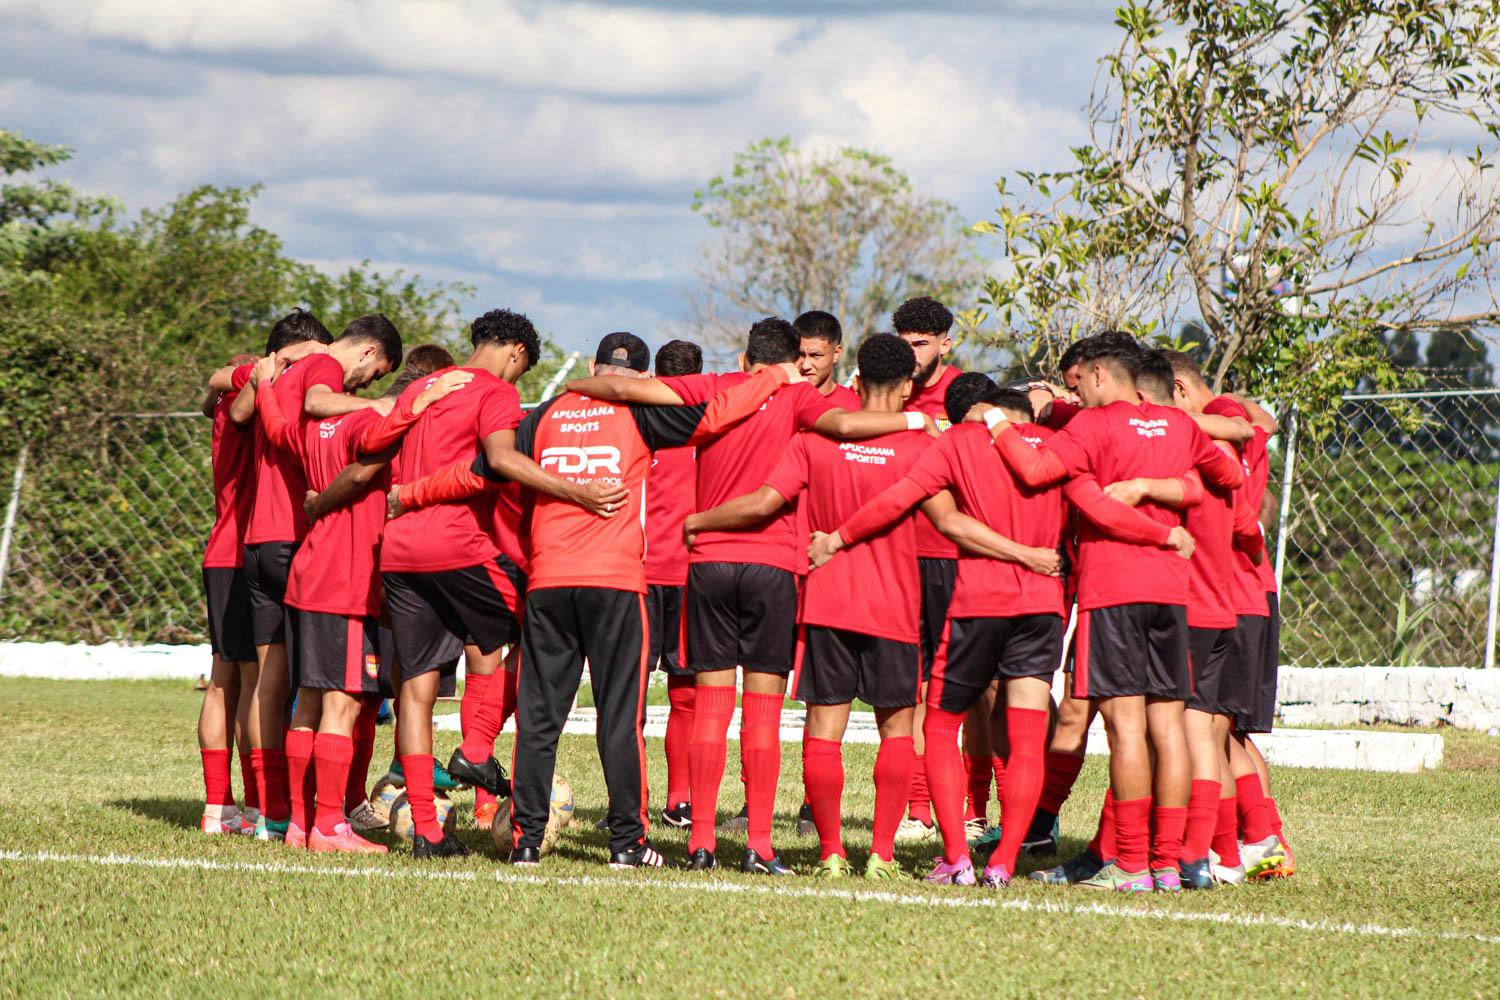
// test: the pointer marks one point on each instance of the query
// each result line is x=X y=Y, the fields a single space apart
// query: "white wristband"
x=993 y=417
x=915 y=421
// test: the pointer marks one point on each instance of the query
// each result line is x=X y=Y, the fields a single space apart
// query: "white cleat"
x=913 y=831
x=1224 y=874
x=974 y=828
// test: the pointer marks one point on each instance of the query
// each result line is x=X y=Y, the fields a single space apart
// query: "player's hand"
x=977 y=411
x=793 y=373
x=309 y=505
x=1044 y=561
x=394 y=508
x=1129 y=492
x=689 y=531
x=930 y=427
x=823 y=548
x=603 y=499
x=264 y=370
x=1181 y=541
x=446 y=384
x=302 y=350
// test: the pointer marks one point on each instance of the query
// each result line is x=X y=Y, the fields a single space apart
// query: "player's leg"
x=894 y=762
x=1208 y=651
x=226 y=700
x=215 y=729
x=713 y=654
x=825 y=680
x=300 y=736
x=266 y=569
x=1065 y=755
x=349 y=679
x=961 y=671
x=1224 y=845
x=250 y=814
x=487 y=600
x=767 y=601
x=1169 y=685
x=664 y=606
x=979 y=765
x=356 y=788
x=1130 y=780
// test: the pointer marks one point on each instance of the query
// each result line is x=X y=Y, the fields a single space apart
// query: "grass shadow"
x=175 y=812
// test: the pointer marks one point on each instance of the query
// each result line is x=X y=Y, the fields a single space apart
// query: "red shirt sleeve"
x=789 y=478
x=811 y=404
x=240 y=377
x=1223 y=406
x=933 y=470
x=1036 y=467
x=452 y=482
x=1192 y=489
x=728 y=408
x=1212 y=461
x=278 y=429
x=692 y=388
x=1062 y=412
x=322 y=370
x=887 y=508
x=1114 y=518
x=499 y=410
x=389 y=429
x=1248 y=537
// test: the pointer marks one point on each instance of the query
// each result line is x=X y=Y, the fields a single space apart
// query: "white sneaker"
x=1262 y=856
x=912 y=830
x=974 y=828
x=1223 y=874
x=363 y=817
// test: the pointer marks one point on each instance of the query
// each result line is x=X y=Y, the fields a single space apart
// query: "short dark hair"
x=378 y=330
x=966 y=390
x=1184 y=367
x=1113 y=349
x=501 y=327
x=623 y=350
x=922 y=315
x=885 y=361
x=1152 y=372
x=818 y=325
x=295 y=327
x=772 y=341
x=421 y=361
x=1074 y=352
x=679 y=357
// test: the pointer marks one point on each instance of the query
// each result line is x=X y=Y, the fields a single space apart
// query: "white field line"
x=623 y=881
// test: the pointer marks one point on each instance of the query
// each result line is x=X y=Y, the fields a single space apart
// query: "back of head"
x=922 y=315
x=1185 y=368
x=966 y=390
x=499 y=327
x=622 y=351
x=377 y=330
x=885 y=361
x=1114 y=350
x=421 y=361
x=296 y=327
x=772 y=341
x=679 y=357
x=819 y=325
x=1074 y=352
x=1153 y=376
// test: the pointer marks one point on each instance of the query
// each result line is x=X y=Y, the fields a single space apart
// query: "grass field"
x=107 y=887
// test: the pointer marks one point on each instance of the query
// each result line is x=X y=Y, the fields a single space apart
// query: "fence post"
x=557 y=379
x=10 y=514
x=1489 y=631
x=1286 y=494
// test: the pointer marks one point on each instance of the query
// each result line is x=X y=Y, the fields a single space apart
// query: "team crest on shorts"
x=372 y=666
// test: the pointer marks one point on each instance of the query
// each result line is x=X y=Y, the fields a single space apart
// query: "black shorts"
x=1130 y=650
x=938 y=577
x=230 y=629
x=447 y=681
x=267 y=565
x=740 y=615
x=1261 y=715
x=835 y=667
x=477 y=605
x=1242 y=668
x=664 y=627
x=1209 y=652
x=977 y=651
x=333 y=652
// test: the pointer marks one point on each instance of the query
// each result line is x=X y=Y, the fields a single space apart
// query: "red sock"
x=1133 y=834
x=479 y=715
x=1062 y=772
x=893 y=766
x=300 y=777
x=1274 y=815
x=364 y=749
x=1023 y=775
x=1167 y=830
x=507 y=692
x=760 y=751
x=919 y=800
x=978 y=769
x=679 y=738
x=1202 y=817
x=713 y=707
x=1104 y=845
x=823 y=778
x=1226 y=835
x=418 y=770
x=1254 y=823
x=997 y=767
x=945 y=780
x=262 y=768
x=334 y=755
x=275 y=801
x=247 y=780
x=216 y=778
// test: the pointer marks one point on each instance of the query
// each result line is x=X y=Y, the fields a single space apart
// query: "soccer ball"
x=383 y=796
x=559 y=817
x=401 y=824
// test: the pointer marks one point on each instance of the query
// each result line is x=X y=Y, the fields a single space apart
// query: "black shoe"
x=738 y=823
x=701 y=860
x=449 y=847
x=602 y=824
x=525 y=856
x=642 y=855
x=1041 y=838
x=490 y=775
x=805 y=825
x=680 y=816
x=754 y=864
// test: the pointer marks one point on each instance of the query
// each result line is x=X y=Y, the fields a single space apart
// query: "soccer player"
x=742 y=590
x=818 y=354
x=1131 y=644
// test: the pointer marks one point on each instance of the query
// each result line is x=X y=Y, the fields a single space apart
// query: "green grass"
x=100 y=768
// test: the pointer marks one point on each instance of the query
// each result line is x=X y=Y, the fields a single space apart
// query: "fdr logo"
x=589 y=461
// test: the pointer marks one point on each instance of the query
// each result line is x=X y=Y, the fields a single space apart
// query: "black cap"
x=623 y=350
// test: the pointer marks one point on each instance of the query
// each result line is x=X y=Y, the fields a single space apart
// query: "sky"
x=544 y=152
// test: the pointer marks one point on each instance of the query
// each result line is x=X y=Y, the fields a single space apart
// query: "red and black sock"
x=1133 y=834
x=1226 y=834
x=364 y=749
x=1104 y=846
x=893 y=766
x=300 y=777
x=216 y=791
x=1202 y=817
x=418 y=770
x=334 y=756
x=760 y=751
x=713 y=707
x=247 y=780
x=1024 y=774
x=919 y=801
x=946 y=779
x=1255 y=826
x=679 y=738
x=823 y=780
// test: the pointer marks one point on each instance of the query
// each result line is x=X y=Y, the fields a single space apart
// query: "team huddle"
x=924 y=541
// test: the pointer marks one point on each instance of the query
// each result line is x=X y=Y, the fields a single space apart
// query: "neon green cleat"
x=833 y=866
x=1113 y=877
x=879 y=868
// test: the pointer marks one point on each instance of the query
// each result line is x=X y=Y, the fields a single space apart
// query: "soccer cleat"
x=1166 y=880
x=833 y=866
x=943 y=873
x=485 y=813
x=974 y=828
x=248 y=819
x=220 y=820
x=362 y=817
x=343 y=840
x=1117 y=879
x=295 y=836
x=450 y=846
x=738 y=823
x=754 y=864
x=915 y=830
x=995 y=877
x=680 y=816
x=1287 y=868
x=1197 y=874
x=1072 y=871
x=602 y=824
x=805 y=825
x=525 y=857
x=442 y=781
x=642 y=855
x=877 y=867
x=1226 y=874
x=984 y=845
x=701 y=860
x=488 y=774
x=1262 y=858
x=270 y=829
x=1042 y=837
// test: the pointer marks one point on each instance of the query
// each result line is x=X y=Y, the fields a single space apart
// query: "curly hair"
x=922 y=315
x=885 y=360
x=502 y=326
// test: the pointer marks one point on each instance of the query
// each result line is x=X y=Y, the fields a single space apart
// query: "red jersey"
x=965 y=460
x=233 y=452
x=843 y=397
x=1211 y=569
x=670 y=490
x=931 y=400
x=871 y=588
x=1121 y=441
x=1249 y=581
x=510 y=524
x=279 y=482
x=456 y=535
x=739 y=462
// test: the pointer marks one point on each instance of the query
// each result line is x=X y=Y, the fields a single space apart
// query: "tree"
x=844 y=232
x=1296 y=178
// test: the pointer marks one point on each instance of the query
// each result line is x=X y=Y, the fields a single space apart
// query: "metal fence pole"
x=557 y=379
x=10 y=514
x=1286 y=494
x=1489 y=633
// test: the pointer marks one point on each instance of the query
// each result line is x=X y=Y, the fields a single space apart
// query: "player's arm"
x=1235 y=430
x=450 y=484
x=1217 y=465
x=731 y=407
x=853 y=425
x=1124 y=523
x=624 y=389
x=503 y=461
x=322 y=402
x=741 y=512
x=1259 y=415
x=978 y=538
x=1036 y=467
x=1181 y=492
x=273 y=422
x=349 y=485
x=392 y=427
x=1248 y=536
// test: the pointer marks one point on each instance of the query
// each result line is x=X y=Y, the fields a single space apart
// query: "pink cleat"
x=343 y=840
x=295 y=836
x=996 y=877
x=961 y=873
